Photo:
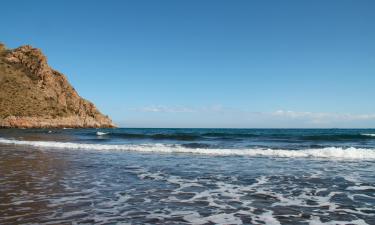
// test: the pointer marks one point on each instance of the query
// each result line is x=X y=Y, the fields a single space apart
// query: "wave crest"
x=327 y=153
x=101 y=133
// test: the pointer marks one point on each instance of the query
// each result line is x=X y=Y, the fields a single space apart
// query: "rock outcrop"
x=33 y=95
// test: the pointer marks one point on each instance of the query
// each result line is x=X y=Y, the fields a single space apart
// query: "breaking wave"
x=101 y=133
x=327 y=152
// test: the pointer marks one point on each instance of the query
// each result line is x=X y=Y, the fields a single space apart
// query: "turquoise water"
x=187 y=176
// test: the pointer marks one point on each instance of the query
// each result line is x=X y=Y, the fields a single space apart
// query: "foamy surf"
x=326 y=153
x=101 y=133
x=369 y=135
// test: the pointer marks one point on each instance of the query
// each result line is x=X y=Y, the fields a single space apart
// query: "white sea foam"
x=360 y=188
x=101 y=133
x=317 y=221
x=327 y=153
x=371 y=135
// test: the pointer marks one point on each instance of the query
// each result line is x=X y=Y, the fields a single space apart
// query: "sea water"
x=187 y=176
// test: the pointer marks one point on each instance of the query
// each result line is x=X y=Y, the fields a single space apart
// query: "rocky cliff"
x=33 y=95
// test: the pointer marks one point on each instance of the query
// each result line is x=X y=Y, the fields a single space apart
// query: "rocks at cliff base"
x=33 y=95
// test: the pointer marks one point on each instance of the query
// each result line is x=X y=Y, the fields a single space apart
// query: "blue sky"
x=209 y=63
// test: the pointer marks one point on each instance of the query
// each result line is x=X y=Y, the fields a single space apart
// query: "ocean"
x=187 y=176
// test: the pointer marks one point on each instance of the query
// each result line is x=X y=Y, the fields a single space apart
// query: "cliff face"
x=33 y=95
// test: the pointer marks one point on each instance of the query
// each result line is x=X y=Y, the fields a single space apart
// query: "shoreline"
x=49 y=123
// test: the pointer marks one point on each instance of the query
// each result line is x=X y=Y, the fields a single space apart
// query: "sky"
x=228 y=64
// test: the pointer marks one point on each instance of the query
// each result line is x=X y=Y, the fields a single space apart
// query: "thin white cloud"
x=165 y=109
x=319 y=117
x=181 y=109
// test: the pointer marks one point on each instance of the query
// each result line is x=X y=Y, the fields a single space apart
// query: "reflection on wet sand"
x=26 y=178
